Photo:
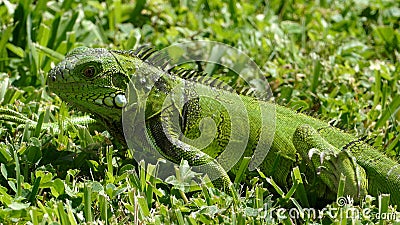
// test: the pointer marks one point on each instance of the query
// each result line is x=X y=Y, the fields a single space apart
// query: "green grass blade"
x=87 y=198
x=16 y=50
x=388 y=112
x=142 y=202
x=301 y=193
x=49 y=52
x=383 y=201
x=103 y=203
x=316 y=76
x=18 y=174
x=342 y=182
x=39 y=124
x=35 y=190
x=62 y=215
x=242 y=170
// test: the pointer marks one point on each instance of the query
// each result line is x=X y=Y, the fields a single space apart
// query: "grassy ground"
x=335 y=59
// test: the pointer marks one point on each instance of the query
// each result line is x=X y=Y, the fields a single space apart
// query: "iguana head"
x=93 y=80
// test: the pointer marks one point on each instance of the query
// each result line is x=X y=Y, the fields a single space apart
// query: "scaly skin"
x=95 y=80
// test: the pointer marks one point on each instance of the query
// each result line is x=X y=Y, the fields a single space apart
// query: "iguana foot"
x=329 y=163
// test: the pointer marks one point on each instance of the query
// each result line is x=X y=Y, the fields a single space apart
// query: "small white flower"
x=260 y=17
x=375 y=65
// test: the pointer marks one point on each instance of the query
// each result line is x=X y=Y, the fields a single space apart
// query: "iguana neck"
x=113 y=125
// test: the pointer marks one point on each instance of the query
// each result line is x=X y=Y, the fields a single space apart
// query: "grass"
x=338 y=60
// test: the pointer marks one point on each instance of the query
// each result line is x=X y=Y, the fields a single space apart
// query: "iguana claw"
x=330 y=163
x=322 y=154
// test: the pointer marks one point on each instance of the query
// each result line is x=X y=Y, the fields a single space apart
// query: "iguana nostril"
x=52 y=75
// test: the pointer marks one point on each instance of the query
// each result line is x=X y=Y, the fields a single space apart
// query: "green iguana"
x=95 y=81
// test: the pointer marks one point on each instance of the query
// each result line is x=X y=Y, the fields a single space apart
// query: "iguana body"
x=95 y=80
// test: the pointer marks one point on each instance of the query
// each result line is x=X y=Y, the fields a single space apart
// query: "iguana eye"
x=89 y=71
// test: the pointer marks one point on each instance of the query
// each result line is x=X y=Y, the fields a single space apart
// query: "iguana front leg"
x=328 y=162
